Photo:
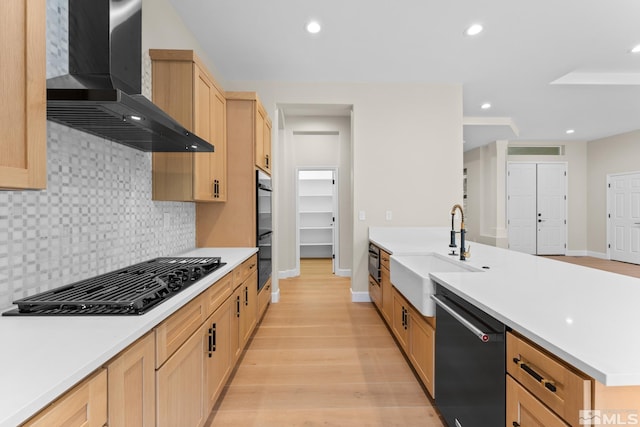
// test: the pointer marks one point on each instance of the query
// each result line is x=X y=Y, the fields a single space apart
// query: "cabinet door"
x=374 y=292
x=85 y=405
x=264 y=298
x=421 y=348
x=235 y=327
x=400 y=319
x=387 y=295
x=23 y=131
x=249 y=307
x=218 y=163
x=259 y=130
x=132 y=385
x=218 y=352
x=267 y=145
x=525 y=410
x=204 y=104
x=181 y=385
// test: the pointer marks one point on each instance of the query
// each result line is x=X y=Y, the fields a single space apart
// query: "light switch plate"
x=362 y=216
x=389 y=215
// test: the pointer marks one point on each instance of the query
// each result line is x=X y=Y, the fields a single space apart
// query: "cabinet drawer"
x=217 y=293
x=384 y=259
x=174 y=331
x=85 y=405
x=557 y=385
x=244 y=270
x=525 y=410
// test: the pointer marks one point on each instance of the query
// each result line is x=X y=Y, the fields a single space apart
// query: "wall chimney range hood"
x=101 y=93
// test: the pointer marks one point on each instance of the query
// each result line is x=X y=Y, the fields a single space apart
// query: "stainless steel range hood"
x=101 y=93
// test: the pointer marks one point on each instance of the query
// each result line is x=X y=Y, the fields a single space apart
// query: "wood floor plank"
x=424 y=416
x=624 y=268
x=318 y=359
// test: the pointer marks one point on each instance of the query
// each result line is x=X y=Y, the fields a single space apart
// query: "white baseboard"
x=576 y=253
x=288 y=273
x=598 y=255
x=360 y=296
x=275 y=296
x=343 y=272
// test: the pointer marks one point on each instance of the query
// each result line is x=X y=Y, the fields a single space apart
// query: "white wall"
x=615 y=154
x=315 y=151
x=486 y=192
x=163 y=28
x=406 y=152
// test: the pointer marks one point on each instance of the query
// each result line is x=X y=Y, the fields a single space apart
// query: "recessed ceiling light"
x=485 y=106
x=570 y=131
x=635 y=49
x=473 y=30
x=313 y=27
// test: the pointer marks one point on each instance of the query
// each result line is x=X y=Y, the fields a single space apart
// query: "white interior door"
x=552 y=216
x=521 y=206
x=536 y=207
x=624 y=204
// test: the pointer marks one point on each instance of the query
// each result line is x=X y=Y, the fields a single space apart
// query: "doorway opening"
x=537 y=207
x=317 y=210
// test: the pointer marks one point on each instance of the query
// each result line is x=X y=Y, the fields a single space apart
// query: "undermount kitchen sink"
x=410 y=275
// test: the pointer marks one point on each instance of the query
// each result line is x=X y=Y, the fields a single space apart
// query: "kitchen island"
x=44 y=356
x=584 y=317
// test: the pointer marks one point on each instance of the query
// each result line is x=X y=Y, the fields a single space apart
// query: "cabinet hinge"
x=333 y=256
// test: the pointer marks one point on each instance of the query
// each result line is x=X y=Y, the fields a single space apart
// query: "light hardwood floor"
x=602 y=264
x=317 y=359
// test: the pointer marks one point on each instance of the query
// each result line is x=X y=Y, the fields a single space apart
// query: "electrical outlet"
x=389 y=215
x=362 y=216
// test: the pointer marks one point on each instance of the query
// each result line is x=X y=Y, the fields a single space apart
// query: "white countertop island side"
x=43 y=356
x=588 y=317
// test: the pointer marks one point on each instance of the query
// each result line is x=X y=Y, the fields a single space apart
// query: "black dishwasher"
x=469 y=363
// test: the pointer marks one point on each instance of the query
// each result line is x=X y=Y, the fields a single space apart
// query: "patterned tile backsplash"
x=96 y=214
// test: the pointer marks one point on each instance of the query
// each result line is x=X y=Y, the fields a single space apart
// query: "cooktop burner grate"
x=130 y=290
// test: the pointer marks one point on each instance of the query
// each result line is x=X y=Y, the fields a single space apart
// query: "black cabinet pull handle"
x=213 y=337
x=246 y=295
x=548 y=384
x=406 y=318
x=238 y=306
x=515 y=424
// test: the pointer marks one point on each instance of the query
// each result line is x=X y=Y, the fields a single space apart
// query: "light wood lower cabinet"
x=174 y=375
x=85 y=405
x=400 y=319
x=375 y=293
x=264 y=298
x=218 y=361
x=248 y=315
x=422 y=348
x=181 y=386
x=132 y=385
x=523 y=409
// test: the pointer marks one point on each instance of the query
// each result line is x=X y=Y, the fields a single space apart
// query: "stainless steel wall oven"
x=264 y=226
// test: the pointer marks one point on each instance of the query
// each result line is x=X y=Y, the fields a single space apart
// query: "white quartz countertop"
x=42 y=357
x=587 y=317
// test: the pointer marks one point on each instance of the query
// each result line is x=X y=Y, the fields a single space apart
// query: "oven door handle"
x=482 y=336
x=265 y=234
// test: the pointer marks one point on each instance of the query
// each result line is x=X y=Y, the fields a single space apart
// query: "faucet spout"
x=462 y=231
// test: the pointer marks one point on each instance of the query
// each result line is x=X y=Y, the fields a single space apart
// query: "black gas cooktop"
x=128 y=291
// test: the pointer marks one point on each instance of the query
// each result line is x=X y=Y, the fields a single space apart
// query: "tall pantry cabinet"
x=184 y=88
x=234 y=222
x=23 y=122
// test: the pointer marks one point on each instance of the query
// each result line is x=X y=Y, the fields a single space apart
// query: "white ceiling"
x=581 y=45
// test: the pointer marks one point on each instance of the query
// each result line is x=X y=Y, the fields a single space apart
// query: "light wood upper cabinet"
x=183 y=88
x=85 y=405
x=132 y=385
x=23 y=122
x=263 y=139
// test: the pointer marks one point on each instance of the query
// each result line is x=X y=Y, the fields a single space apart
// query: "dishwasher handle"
x=482 y=336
